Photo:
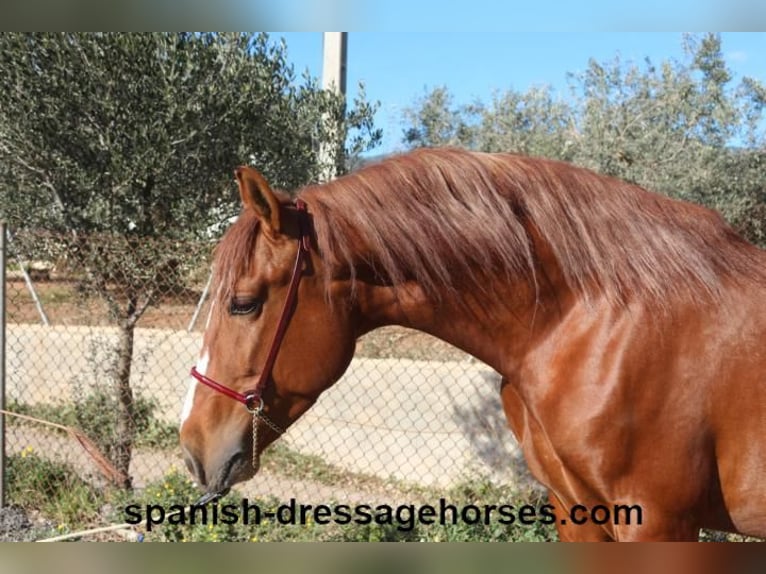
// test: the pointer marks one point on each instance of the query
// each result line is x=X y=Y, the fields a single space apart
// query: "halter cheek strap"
x=252 y=399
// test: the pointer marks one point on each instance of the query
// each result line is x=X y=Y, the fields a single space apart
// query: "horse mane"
x=451 y=219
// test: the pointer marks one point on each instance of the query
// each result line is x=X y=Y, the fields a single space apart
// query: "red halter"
x=252 y=399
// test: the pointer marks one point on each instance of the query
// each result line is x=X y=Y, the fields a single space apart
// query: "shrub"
x=53 y=488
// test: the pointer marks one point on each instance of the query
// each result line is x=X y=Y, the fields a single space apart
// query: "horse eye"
x=244 y=306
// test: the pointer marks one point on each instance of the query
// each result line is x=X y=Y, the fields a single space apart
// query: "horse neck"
x=518 y=311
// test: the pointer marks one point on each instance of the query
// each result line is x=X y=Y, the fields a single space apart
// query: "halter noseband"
x=252 y=399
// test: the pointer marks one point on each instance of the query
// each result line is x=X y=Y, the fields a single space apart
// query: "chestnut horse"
x=628 y=327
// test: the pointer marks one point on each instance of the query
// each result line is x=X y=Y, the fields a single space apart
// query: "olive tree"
x=114 y=141
x=681 y=127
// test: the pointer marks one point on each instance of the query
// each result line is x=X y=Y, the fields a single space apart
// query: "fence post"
x=2 y=363
x=27 y=279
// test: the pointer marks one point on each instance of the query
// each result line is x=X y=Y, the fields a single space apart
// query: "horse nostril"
x=195 y=468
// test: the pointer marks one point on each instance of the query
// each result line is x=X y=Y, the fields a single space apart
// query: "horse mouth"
x=210 y=497
x=236 y=469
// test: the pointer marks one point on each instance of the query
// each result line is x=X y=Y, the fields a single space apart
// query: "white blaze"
x=202 y=363
x=189 y=400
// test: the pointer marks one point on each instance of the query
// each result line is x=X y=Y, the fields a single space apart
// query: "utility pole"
x=3 y=486
x=334 y=48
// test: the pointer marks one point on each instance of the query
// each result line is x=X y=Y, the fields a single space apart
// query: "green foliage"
x=532 y=123
x=176 y=491
x=435 y=121
x=113 y=140
x=135 y=136
x=95 y=414
x=138 y=134
x=680 y=128
x=55 y=489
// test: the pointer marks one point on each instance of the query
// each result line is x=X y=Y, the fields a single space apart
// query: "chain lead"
x=257 y=412
x=256 y=459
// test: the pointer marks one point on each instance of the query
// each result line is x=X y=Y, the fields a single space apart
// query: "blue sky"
x=495 y=16
x=398 y=68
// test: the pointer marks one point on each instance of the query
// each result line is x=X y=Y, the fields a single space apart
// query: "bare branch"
x=46 y=181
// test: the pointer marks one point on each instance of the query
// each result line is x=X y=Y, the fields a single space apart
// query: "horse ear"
x=257 y=195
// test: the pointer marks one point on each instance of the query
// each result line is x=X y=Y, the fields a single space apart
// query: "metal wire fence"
x=412 y=416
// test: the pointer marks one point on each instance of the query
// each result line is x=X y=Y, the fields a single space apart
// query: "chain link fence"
x=412 y=419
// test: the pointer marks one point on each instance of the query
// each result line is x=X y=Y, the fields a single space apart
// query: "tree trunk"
x=125 y=427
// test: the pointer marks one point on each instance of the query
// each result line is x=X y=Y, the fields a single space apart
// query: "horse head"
x=274 y=339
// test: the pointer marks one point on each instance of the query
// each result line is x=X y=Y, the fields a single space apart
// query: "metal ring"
x=255 y=410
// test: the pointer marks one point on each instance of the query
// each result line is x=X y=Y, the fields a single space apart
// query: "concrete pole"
x=2 y=363
x=334 y=49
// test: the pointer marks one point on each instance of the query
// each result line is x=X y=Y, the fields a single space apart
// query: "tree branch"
x=46 y=182
x=140 y=309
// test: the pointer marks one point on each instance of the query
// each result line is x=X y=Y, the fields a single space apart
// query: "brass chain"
x=257 y=413
x=256 y=458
